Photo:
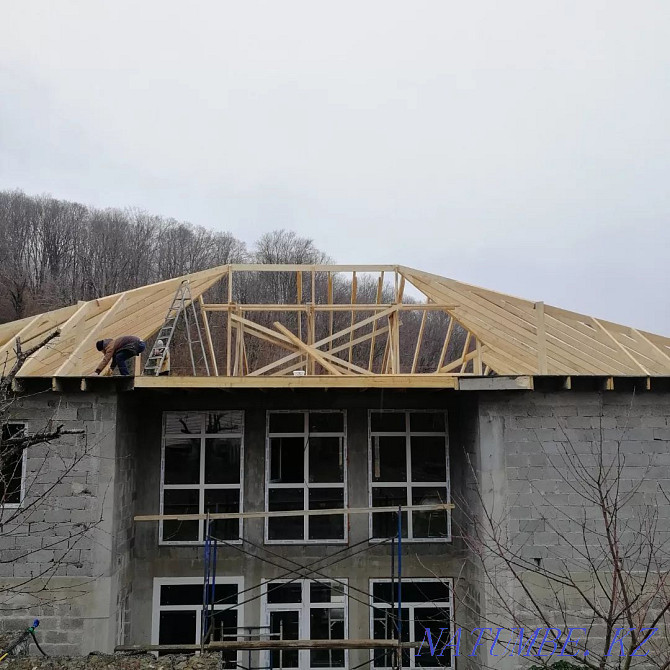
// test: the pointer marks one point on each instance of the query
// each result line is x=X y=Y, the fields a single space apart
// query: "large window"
x=426 y=604
x=306 y=470
x=306 y=610
x=12 y=466
x=409 y=465
x=177 y=612
x=202 y=472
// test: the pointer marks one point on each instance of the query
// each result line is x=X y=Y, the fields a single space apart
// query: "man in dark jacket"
x=119 y=351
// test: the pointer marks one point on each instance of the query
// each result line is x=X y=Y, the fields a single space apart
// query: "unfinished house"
x=311 y=484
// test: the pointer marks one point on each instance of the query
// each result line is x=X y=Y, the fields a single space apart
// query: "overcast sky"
x=521 y=146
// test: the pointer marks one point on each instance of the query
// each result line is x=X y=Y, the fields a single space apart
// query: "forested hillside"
x=56 y=252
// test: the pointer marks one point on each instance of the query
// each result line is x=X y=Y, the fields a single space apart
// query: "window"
x=201 y=472
x=426 y=604
x=12 y=468
x=306 y=610
x=306 y=470
x=177 y=612
x=409 y=465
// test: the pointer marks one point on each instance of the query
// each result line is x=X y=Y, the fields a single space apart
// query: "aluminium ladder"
x=180 y=303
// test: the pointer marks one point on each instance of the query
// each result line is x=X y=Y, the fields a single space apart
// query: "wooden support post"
x=541 y=339
x=331 y=315
x=478 y=369
x=354 y=292
x=229 y=334
x=419 y=339
x=208 y=335
x=466 y=346
x=445 y=346
x=380 y=289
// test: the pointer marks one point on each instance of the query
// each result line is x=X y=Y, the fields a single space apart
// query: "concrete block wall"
x=55 y=548
x=532 y=440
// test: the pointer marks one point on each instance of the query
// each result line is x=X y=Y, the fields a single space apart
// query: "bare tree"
x=606 y=570
x=38 y=469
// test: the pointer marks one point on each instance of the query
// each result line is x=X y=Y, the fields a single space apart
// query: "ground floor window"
x=177 y=612
x=426 y=604
x=306 y=610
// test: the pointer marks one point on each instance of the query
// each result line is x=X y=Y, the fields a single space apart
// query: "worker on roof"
x=118 y=351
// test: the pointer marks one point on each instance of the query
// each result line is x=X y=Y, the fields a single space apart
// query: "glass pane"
x=425 y=592
x=285 y=593
x=389 y=459
x=326 y=456
x=326 y=422
x=388 y=422
x=432 y=619
x=385 y=628
x=182 y=461
x=429 y=459
x=222 y=460
x=385 y=524
x=11 y=468
x=326 y=623
x=180 y=501
x=225 y=594
x=331 y=592
x=429 y=524
x=426 y=422
x=224 y=422
x=287 y=422
x=222 y=501
x=284 y=626
x=181 y=594
x=287 y=459
x=331 y=526
x=286 y=527
x=177 y=627
x=183 y=423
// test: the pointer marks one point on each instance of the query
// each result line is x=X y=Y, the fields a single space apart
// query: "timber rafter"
x=335 y=321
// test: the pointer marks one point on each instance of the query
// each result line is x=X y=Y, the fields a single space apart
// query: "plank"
x=310 y=351
x=270 y=645
x=208 y=336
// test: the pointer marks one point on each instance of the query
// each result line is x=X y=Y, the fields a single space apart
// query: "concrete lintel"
x=519 y=383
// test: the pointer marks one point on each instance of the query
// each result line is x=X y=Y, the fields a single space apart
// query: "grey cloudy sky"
x=520 y=145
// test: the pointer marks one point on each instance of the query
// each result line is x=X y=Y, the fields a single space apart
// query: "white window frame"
x=304 y=608
x=157 y=608
x=201 y=487
x=306 y=485
x=24 y=469
x=409 y=484
x=411 y=607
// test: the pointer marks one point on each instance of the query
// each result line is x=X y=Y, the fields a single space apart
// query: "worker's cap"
x=160 y=343
x=100 y=345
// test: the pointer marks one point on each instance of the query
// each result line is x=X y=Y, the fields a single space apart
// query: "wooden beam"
x=325 y=340
x=432 y=381
x=380 y=288
x=310 y=351
x=270 y=645
x=89 y=339
x=229 y=325
x=652 y=345
x=541 y=339
x=331 y=307
x=331 y=315
x=354 y=295
x=208 y=336
x=445 y=346
x=419 y=340
x=437 y=507
x=620 y=346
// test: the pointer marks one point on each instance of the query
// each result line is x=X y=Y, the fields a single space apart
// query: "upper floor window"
x=409 y=465
x=306 y=610
x=12 y=466
x=426 y=604
x=306 y=470
x=202 y=472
